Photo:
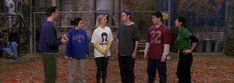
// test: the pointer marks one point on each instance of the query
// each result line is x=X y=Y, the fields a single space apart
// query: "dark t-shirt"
x=13 y=37
x=127 y=36
x=157 y=37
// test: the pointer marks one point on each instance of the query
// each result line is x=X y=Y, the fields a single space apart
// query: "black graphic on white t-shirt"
x=104 y=38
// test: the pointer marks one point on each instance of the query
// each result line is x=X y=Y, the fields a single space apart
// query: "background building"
x=207 y=19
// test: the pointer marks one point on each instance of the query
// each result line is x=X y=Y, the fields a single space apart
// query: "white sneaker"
x=168 y=57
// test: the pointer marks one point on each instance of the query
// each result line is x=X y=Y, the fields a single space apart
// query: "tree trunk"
x=229 y=40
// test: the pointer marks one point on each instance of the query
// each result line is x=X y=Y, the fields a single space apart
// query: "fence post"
x=31 y=40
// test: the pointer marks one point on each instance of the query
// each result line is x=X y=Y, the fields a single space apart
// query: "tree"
x=229 y=44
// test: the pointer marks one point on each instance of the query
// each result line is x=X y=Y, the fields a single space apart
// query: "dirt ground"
x=205 y=69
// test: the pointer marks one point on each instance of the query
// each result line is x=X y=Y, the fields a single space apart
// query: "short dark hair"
x=50 y=10
x=158 y=15
x=182 y=19
x=75 y=21
x=127 y=12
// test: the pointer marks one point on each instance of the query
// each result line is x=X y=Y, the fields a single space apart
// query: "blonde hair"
x=99 y=18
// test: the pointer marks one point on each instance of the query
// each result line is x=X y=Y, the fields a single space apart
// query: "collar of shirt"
x=157 y=26
x=181 y=29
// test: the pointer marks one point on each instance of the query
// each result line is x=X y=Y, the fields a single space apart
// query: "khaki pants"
x=73 y=63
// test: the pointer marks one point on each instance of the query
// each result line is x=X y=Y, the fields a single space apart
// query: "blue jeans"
x=7 y=50
x=13 y=47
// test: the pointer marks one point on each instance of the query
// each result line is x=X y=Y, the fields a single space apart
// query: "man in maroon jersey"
x=157 y=48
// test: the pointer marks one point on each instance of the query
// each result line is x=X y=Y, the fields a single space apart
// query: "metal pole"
x=34 y=33
x=31 y=40
x=227 y=24
x=19 y=35
x=169 y=13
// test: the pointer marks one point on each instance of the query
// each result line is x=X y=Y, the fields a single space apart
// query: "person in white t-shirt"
x=102 y=39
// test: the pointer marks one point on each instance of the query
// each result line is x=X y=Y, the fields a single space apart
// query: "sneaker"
x=168 y=57
x=13 y=57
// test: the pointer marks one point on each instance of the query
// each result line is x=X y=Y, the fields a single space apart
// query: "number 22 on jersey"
x=155 y=37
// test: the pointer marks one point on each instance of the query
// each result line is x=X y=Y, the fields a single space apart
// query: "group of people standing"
x=156 y=50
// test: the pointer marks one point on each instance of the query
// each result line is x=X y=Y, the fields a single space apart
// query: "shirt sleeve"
x=94 y=40
x=186 y=33
x=136 y=35
x=109 y=40
x=87 y=43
